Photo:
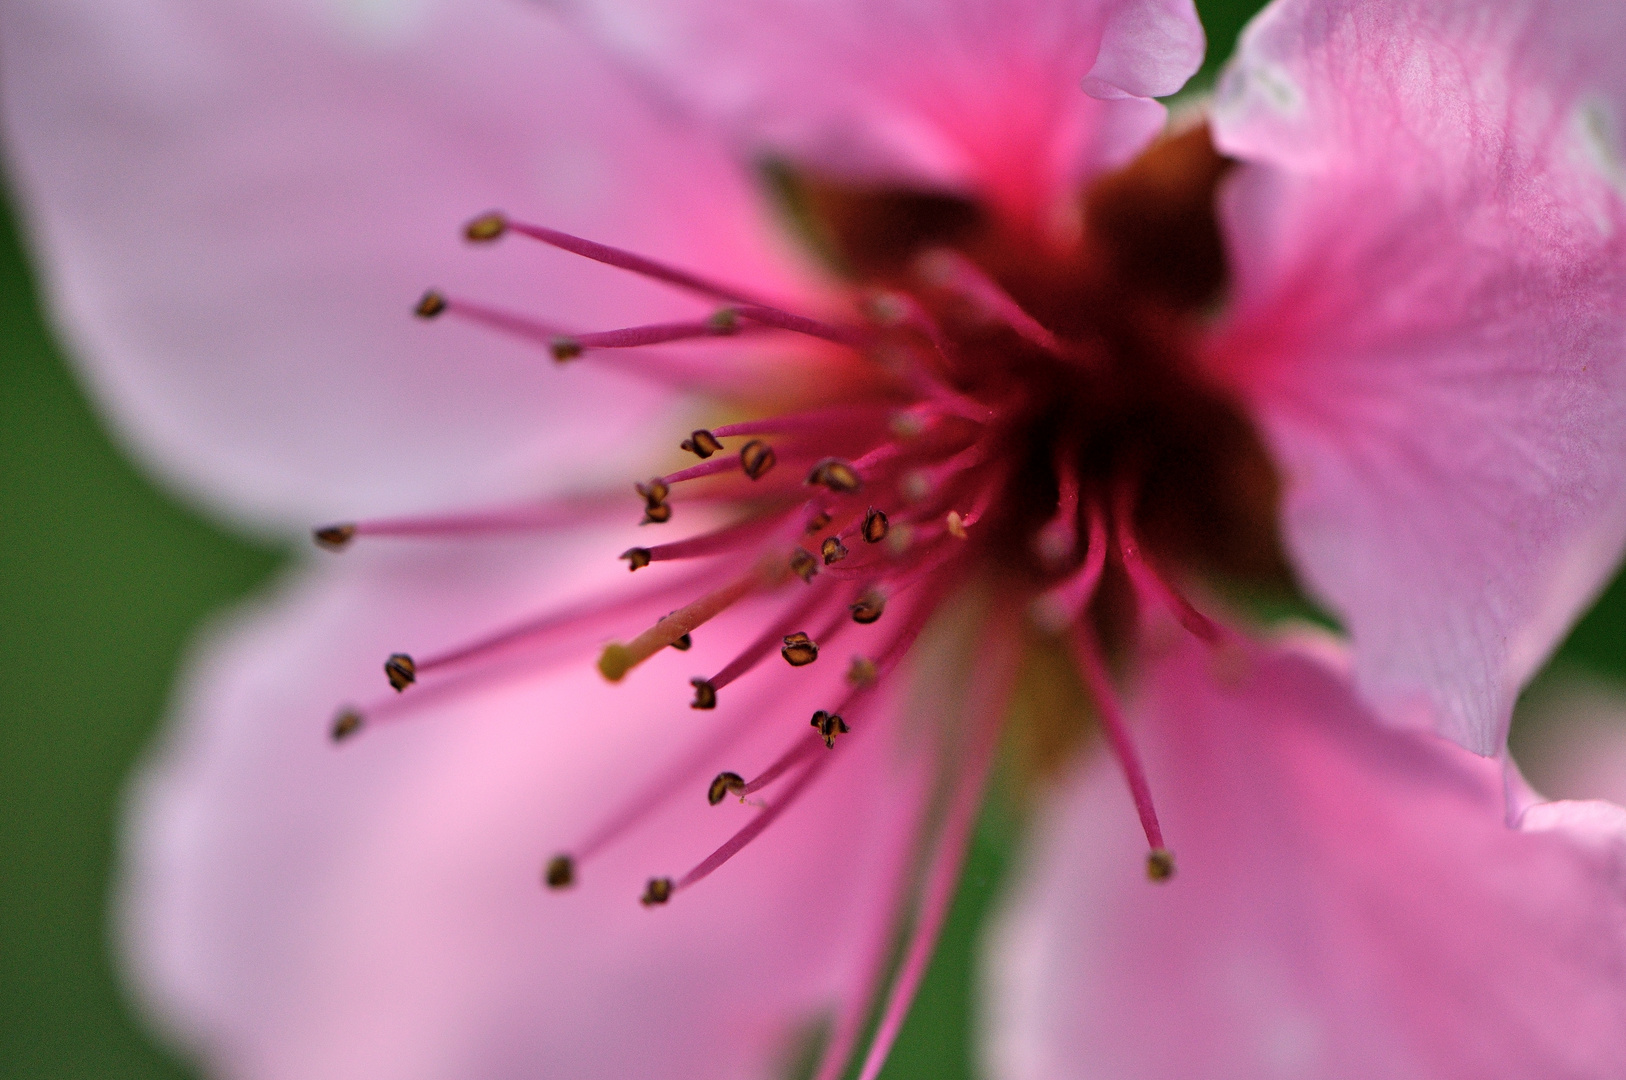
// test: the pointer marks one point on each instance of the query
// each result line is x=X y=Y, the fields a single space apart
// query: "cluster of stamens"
x=888 y=500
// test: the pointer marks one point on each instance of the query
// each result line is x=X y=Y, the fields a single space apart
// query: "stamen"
x=401 y=671
x=837 y=475
x=875 y=526
x=869 y=607
x=862 y=672
x=799 y=650
x=429 y=305
x=1147 y=580
x=637 y=264
x=657 y=892
x=818 y=521
x=346 y=724
x=751 y=831
x=714 y=542
x=1159 y=864
x=833 y=550
x=803 y=565
x=701 y=443
x=335 y=537
x=723 y=785
x=485 y=228
x=1067 y=602
x=756 y=458
x=617 y=659
x=829 y=725
x=637 y=558
x=1159 y=867
x=705 y=694
x=953 y=271
x=560 y=872
x=759 y=647
x=561 y=513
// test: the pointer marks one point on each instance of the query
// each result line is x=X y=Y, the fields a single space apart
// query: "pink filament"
x=736 y=843
x=554 y=514
x=637 y=264
x=753 y=653
x=1090 y=665
x=959 y=274
x=1148 y=580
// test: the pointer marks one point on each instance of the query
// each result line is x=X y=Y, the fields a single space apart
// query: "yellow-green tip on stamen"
x=486 y=228
x=615 y=661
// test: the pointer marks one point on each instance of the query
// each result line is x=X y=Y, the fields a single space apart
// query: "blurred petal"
x=1349 y=902
x=977 y=95
x=373 y=911
x=237 y=205
x=1429 y=246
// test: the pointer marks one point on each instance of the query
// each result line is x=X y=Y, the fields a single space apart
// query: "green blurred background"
x=104 y=580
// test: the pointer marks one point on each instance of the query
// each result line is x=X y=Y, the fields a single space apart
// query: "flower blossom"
x=960 y=393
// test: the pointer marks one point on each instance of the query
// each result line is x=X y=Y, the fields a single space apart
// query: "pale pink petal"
x=976 y=95
x=236 y=206
x=294 y=909
x=1429 y=246
x=1349 y=902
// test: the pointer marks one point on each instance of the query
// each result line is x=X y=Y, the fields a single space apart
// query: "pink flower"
x=977 y=408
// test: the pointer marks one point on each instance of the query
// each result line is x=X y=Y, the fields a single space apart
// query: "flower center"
x=1006 y=408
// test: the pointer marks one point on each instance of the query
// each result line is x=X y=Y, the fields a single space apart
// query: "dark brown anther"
x=818 y=521
x=833 y=550
x=346 y=724
x=334 y=537
x=875 y=526
x=429 y=305
x=803 y=565
x=656 y=509
x=486 y=228
x=862 y=671
x=869 y=607
x=560 y=873
x=637 y=558
x=401 y=671
x=657 y=892
x=830 y=725
x=724 y=322
x=756 y=458
x=837 y=475
x=701 y=443
x=1160 y=864
x=723 y=784
x=564 y=349
x=705 y=694
x=800 y=650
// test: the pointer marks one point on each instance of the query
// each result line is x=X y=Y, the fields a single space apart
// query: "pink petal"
x=974 y=95
x=1349 y=902
x=1430 y=253
x=237 y=206
x=373 y=910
